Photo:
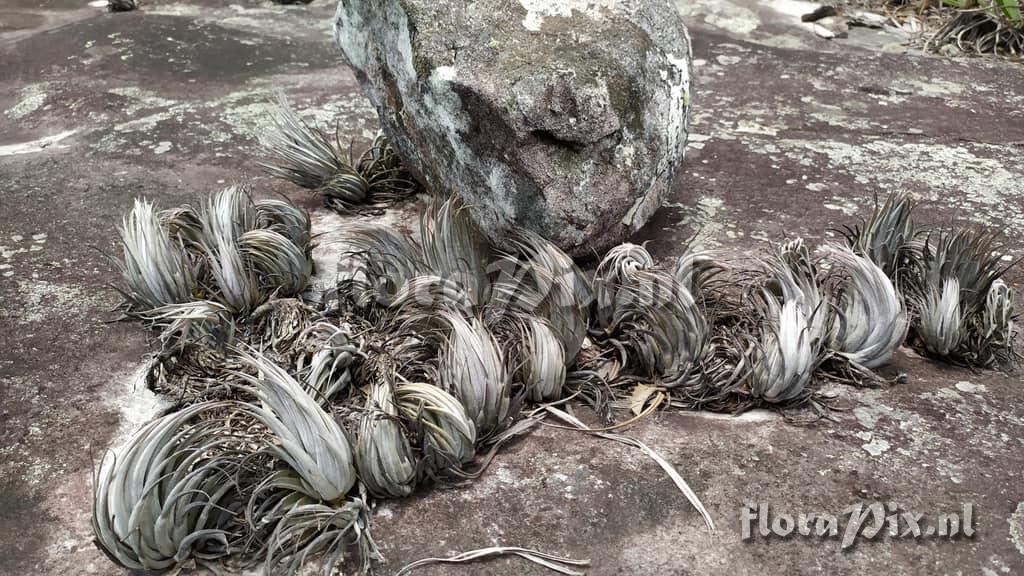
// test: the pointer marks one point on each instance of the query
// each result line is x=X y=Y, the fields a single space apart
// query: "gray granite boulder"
x=567 y=117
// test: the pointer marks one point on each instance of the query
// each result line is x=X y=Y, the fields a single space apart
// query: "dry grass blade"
x=555 y=563
x=664 y=464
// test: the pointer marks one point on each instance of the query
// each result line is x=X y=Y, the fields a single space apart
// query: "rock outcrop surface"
x=567 y=117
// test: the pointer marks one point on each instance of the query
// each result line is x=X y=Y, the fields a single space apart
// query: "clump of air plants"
x=313 y=158
x=207 y=278
x=872 y=320
x=645 y=311
x=233 y=253
x=964 y=309
x=414 y=370
x=972 y=26
x=296 y=410
x=961 y=308
x=122 y=5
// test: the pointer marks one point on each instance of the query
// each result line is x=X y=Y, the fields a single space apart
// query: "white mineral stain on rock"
x=148 y=122
x=703 y=219
x=983 y=184
x=970 y=388
x=175 y=10
x=944 y=394
x=505 y=476
x=751 y=416
x=162 y=147
x=696 y=141
x=451 y=122
x=33 y=97
x=872 y=411
x=1016 y=522
x=141 y=99
x=876 y=447
x=537 y=10
x=752 y=127
x=724 y=14
x=847 y=206
x=41 y=300
x=934 y=88
x=51 y=142
x=135 y=403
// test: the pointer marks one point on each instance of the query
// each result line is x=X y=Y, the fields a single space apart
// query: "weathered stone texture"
x=568 y=118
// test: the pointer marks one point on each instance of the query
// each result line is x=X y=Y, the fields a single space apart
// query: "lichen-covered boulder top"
x=567 y=117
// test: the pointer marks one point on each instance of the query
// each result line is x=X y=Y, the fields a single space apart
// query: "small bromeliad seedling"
x=311 y=157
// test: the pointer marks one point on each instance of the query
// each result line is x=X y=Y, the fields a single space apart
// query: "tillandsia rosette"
x=166 y=496
x=448 y=435
x=383 y=457
x=872 y=319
